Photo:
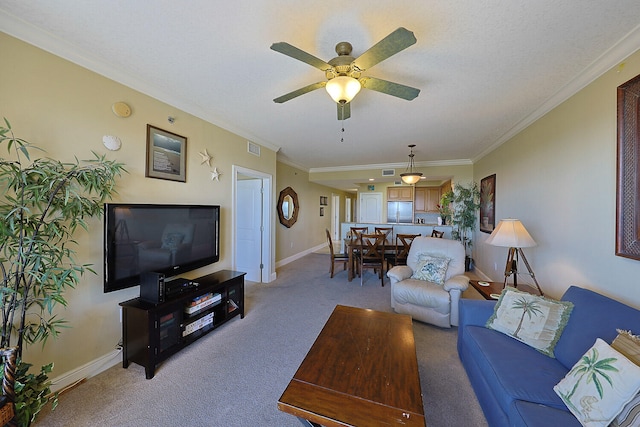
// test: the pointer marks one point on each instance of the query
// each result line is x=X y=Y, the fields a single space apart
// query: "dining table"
x=350 y=247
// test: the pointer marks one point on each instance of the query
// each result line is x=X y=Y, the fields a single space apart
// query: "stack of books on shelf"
x=201 y=302
x=198 y=324
x=232 y=306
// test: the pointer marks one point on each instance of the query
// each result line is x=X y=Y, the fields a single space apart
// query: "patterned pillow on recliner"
x=431 y=268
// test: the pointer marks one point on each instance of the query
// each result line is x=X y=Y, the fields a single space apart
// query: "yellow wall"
x=309 y=230
x=558 y=177
x=66 y=110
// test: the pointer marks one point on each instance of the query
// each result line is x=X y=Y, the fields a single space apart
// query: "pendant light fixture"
x=410 y=177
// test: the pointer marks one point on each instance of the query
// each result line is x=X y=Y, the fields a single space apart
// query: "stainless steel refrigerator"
x=400 y=212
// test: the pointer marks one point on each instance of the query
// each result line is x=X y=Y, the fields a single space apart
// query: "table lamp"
x=510 y=233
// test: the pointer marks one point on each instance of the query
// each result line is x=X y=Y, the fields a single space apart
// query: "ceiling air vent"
x=388 y=172
x=253 y=148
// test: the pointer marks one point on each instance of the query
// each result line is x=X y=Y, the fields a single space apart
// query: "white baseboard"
x=300 y=255
x=87 y=370
x=480 y=274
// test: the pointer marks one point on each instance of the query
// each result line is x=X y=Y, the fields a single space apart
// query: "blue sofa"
x=514 y=382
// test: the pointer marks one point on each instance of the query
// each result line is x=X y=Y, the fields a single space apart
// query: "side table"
x=495 y=288
x=491 y=288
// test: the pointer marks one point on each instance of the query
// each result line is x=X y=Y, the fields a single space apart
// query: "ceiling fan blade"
x=398 y=40
x=301 y=91
x=300 y=55
x=390 y=88
x=344 y=111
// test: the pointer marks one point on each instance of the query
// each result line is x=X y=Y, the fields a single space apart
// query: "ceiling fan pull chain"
x=342 y=138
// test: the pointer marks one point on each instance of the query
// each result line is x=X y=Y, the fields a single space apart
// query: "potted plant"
x=444 y=208
x=466 y=202
x=42 y=203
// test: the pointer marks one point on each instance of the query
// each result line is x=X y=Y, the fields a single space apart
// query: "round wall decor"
x=121 y=109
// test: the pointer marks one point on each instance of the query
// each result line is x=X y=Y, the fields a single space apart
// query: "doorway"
x=251 y=221
x=370 y=208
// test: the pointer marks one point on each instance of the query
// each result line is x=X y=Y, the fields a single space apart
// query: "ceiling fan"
x=344 y=72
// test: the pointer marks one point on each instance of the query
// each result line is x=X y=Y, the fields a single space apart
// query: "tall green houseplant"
x=42 y=203
x=466 y=202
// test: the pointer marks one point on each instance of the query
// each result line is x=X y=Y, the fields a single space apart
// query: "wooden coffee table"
x=361 y=370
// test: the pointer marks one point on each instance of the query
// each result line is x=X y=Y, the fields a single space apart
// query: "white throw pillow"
x=532 y=319
x=599 y=385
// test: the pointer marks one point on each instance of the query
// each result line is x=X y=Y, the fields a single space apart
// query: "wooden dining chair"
x=370 y=255
x=355 y=238
x=388 y=238
x=336 y=258
x=357 y=231
x=436 y=233
x=387 y=231
x=403 y=244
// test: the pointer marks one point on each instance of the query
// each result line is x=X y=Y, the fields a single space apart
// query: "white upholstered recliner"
x=427 y=301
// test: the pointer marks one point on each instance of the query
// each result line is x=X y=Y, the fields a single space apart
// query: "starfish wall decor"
x=207 y=158
x=215 y=175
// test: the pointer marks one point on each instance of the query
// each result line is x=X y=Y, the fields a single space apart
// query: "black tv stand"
x=153 y=332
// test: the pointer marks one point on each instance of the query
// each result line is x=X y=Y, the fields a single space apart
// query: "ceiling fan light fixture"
x=411 y=177
x=343 y=88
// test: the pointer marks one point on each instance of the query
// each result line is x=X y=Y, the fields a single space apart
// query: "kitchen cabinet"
x=400 y=194
x=427 y=199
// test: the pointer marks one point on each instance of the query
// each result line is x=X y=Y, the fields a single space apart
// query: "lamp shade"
x=510 y=233
x=410 y=178
x=343 y=88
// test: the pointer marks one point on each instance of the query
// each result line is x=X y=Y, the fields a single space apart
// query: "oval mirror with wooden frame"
x=288 y=207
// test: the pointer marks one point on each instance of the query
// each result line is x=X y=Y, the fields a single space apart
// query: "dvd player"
x=179 y=285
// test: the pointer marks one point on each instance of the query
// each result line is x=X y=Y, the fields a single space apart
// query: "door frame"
x=268 y=271
x=335 y=216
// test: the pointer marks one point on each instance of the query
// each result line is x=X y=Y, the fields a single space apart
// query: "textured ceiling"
x=485 y=68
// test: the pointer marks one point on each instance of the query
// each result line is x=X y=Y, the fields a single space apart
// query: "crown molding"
x=458 y=162
x=35 y=36
x=284 y=159
x=612 y=57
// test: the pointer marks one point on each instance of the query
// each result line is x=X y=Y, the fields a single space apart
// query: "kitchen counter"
x=372 y=225
x=422 y=229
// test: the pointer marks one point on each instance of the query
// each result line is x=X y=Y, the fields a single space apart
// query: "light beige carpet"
x=235 y=375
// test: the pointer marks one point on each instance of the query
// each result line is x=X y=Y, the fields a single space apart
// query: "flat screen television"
x=168 y=239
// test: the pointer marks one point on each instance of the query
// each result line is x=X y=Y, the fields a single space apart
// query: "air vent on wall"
x=388 y=172
x=253 y=148
x=399 y=182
